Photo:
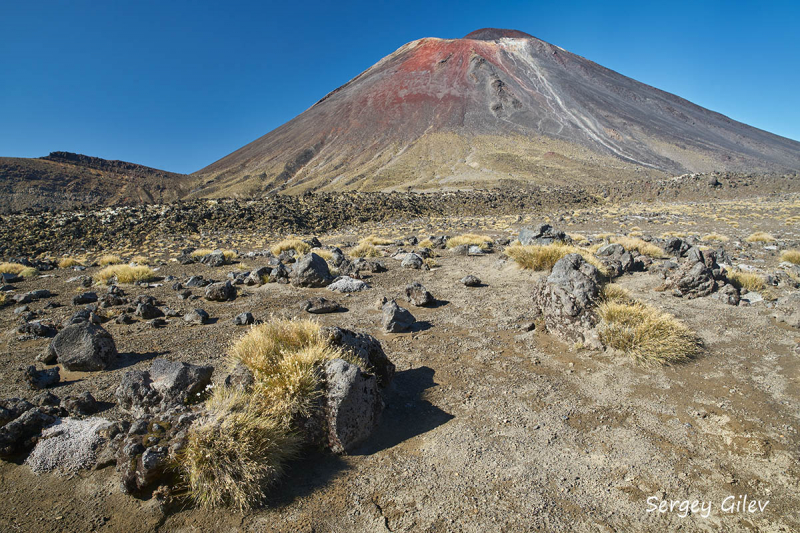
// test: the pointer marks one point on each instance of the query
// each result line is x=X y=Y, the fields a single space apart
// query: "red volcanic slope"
x=497 y=82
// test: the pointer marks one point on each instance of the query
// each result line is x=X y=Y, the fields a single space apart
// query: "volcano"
x=497 y=106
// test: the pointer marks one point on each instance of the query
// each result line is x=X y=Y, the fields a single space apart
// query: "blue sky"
x=177 y=85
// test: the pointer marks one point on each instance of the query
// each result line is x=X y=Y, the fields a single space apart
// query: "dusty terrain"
x=488 y=426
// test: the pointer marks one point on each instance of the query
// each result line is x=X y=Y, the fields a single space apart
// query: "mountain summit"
x=494 y=106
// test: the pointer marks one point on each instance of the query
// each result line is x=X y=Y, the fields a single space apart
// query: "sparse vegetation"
x=760 y=236
x=749 y=281
x=376 y=241
x=109 y=259
x=365 y=250
x=425 y=243
x=641 y=246
x=125 y=274
x=200 y=253
x=297 y=245
x=327 y=255
x=646 y=334
x=68 y=262
x=469 y=239
x=11 y=268
x=236 y=452
x=715 y=237
x=543 y=257
x=791 y=256
x=240 y=448
x=140 y=260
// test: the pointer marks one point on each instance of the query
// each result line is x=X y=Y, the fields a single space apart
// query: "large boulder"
x=694 y=278
x=616 y=259
x=565 y=299
x=166 y=385
x=418 y=295
x=542 y=234
x=365 y=347
x=84 y=346
x=353 y=405
x=311 y=271
x=395 y=318
x=22 y=432
x=412 y=260
x=347 y=284
x=221 y=292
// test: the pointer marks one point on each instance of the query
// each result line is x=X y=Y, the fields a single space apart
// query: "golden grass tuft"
x=140 y=260
x=68 y=262
x=374 y=240
x=2 y=299
x=29 y=272
x=577 y=237
x=230 y=255
x=611 y=292
x=327 y=255
x=109 y=259
x=760 y=236
x=714 y=237
x=200 y=253
x=641 y=246
x=125 y=274
x=11 y=268
x=646 y=334
x=469 y=239
x=791 y=256
x=425 y=243
x=240 y=448
x=749 y=281
x=543 y=257
x=236 y=452
x=365 y=250
x=297 y=245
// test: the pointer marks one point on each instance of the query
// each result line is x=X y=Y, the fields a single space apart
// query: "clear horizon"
x=179 y=86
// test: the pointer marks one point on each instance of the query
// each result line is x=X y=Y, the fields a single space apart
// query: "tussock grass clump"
x=646 y=334
x=641 y=246
x=543 y=257
x=577 y=237
x=749 y=281
x=365 y=250
x=140 y=260
x=2 y=299
x=200 y=253
x=242 y=445
x=68 y=262
x=297 y=245
x=11 y=268
x=611 y=292
x=29 y=272
x=125 y=274
x=374 y=240
x=760 y=236
x=470 y=239
x=791 y=256
x=327 y=255
x=714 y=237
x=425 y=243
x=109 y=259
x=230 y=255
x=236 y=452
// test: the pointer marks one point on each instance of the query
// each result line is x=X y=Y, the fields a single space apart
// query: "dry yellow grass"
x=760 y=236
x=236 y=452
x=611 y=292
x=374 y=240
x=576 y=237
x=2 y=299
x=140 y=260
x=749 y=281
x=543 y=257
x=230 y=255
x=68 y=262
x=11 y=268
x=469 y=239
x=714 y=237
x=646 y=334
x=791 y=256
x=109 y=259
x=240 y=448
x=365 y=250
x=200 y=253
x=325 y=254
x=425 y=243
x=641 y=246
x=297 y=245
x=125 y=274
